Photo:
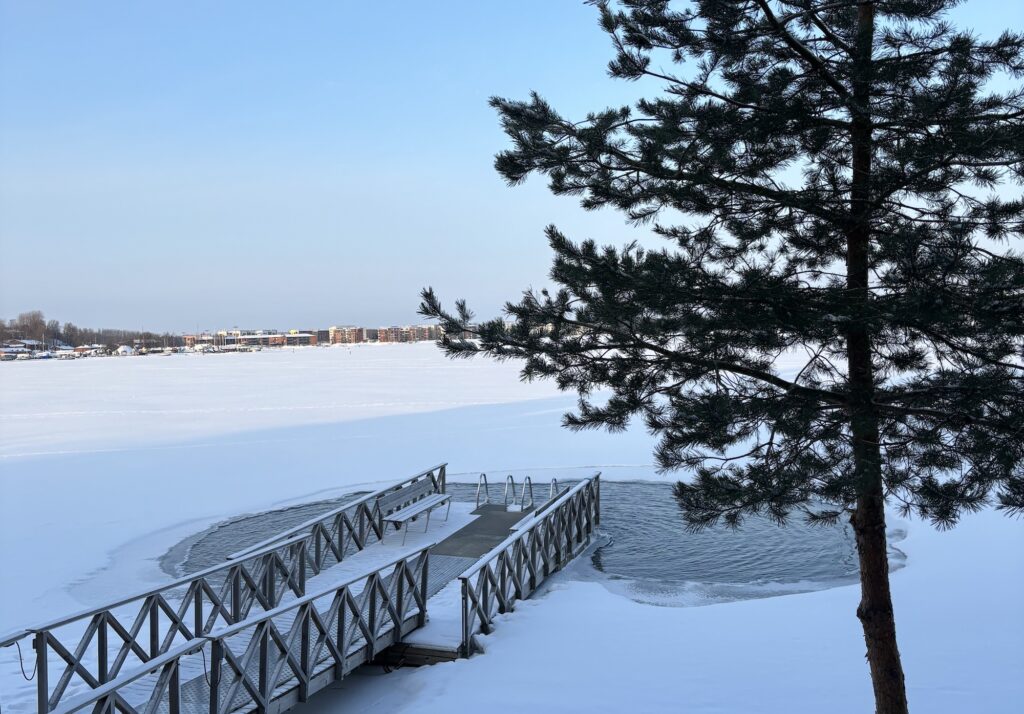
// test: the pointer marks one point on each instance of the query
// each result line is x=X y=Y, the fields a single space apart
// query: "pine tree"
x=833 y=179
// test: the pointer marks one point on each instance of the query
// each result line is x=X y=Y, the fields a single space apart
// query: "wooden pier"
x=286 y=617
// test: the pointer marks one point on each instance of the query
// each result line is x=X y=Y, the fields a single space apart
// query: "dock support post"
x=216 y=662
x=101 y=649
x=371 y=615
x=197 y=606
x=466 y=628
x=307 y=671
x=400 y=593
x=264 y=682
x=236 y=593
x=174 y=689
x=421 y=619
x=154 y=628
x=42 y=673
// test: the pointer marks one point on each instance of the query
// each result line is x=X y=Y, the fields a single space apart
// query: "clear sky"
x=186 y=165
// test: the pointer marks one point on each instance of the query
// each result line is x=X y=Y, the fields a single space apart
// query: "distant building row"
x=302 y=338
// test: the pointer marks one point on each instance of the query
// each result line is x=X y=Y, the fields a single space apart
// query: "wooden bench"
x=404 y=505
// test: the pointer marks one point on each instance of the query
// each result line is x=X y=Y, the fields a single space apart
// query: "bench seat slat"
x=405 y=494
x=416 y=508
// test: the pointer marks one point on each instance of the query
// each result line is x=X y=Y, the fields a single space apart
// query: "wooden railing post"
x=399 y=575
x=174 y=689
x=502 y=566
x=42 y=673
x=307 y=670
x=421 y=619
x=485 y=600
x=467 y=626
x=197 y=607
x=216 y=664
x=236 y=593
x=102 y=668
x=268 y=580
x=154 y=627
x=265 y=687
x=371 y=615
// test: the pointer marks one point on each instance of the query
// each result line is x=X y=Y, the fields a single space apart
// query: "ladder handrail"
x=482 y=481
x=527 y=486
x=510 y=481
x=554 y=488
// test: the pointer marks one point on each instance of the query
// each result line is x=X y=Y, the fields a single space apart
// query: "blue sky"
x=194 y=164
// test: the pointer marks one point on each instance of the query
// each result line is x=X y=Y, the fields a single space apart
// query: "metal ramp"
x=288 y=616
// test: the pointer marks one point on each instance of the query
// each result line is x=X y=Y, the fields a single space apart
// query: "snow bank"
x=580 y=648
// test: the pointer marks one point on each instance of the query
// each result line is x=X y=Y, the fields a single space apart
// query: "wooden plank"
x=417 y=508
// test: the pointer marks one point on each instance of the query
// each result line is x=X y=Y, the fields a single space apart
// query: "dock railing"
x=280 y=657
x=357 y=520
x=95 y=646
x=538 y=547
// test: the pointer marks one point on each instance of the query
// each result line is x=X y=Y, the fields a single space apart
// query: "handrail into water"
x=553 y=489
x=522 y=528
x=510 y=481
x=514 y=568
x=382 y=610
x=527 y=487
x=482 y=481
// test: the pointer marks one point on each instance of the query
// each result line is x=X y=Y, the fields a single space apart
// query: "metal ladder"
x=525 y=496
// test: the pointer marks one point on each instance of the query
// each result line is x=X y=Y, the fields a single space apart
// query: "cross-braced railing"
x=538 y=547
x=93 y=647
x=356 y=522
x=272 y=660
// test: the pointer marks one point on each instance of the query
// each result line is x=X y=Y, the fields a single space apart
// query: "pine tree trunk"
x=875 y=610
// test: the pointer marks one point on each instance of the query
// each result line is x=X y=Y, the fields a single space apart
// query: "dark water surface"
x=643 y=547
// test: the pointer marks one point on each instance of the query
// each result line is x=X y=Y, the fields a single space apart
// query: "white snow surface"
x=105 y=463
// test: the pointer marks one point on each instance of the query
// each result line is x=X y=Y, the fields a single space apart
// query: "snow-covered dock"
x=286 y=617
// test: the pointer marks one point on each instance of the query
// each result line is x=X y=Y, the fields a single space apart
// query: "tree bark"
x=875 y=610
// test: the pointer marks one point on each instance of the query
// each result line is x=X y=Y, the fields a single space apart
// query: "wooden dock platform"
x=288 y=616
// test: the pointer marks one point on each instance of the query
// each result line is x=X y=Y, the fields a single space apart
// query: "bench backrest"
x=407 y=494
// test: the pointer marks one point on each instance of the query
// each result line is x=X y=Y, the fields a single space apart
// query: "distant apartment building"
x=393 y=334
x=408 y=333
x=301 y=338
x=251 y=338
x=427 y=333
x=346 y=335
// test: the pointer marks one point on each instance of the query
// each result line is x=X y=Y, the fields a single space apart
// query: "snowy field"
x=106 y=463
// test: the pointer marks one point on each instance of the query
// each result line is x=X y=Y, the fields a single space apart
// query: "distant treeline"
x=34 y=326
